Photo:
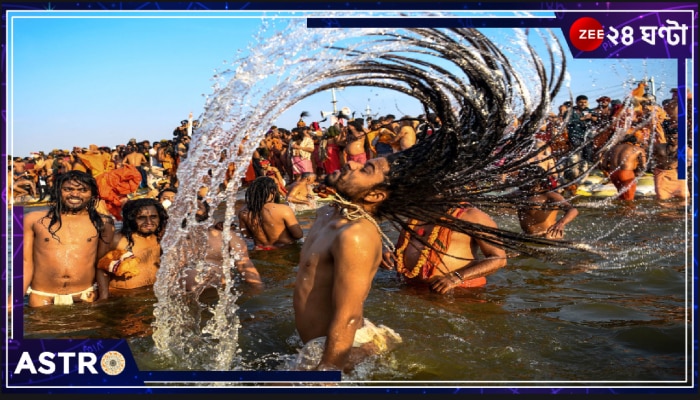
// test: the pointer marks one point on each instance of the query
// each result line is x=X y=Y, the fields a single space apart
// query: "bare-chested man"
x=540 y=207
x=355 y=142
x=623 y=164
x=301 y=195
x=135 y=257
x=138 y=160
x=343 y=249
x=461 y=266
x=209 y=274
x=62 y=246
x=270 y=224
x=406 y=137
x=338 y=261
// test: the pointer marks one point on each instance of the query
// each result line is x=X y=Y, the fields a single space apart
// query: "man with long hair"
x=62 y=245
x=134 y=259
x=270 y=224
x=461 y=163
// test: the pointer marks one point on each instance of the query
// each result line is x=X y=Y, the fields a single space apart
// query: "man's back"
x=406 y=136
x=136 y=159
x=279 y=225
x=624 y=156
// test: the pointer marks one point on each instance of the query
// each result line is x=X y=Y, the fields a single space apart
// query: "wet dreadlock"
x=129 y=211
x=56 y=207
x=479 y=141
x=258 y=194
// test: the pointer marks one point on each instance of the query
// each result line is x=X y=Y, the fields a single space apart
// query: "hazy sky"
x=103 y=78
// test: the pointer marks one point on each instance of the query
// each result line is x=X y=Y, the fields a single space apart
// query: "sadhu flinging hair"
x=460 y=164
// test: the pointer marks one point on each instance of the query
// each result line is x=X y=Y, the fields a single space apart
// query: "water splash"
x=285 y=66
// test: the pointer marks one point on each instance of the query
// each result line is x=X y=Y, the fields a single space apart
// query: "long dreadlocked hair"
x=482 y=138
x=257 y=195
x=56 y=207
x=129 y=211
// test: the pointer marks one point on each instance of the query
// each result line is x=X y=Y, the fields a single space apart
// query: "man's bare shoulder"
x=359 y=231
x=280 y=209
x=33 y=216
x=474 y=215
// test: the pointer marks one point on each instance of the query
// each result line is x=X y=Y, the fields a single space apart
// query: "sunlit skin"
x=337 y=264
x=279 y=225
x=462 y=262
x=65 y=263
x=75 y=197
x=146 y=248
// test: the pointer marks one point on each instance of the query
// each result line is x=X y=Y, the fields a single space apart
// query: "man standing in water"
x=623 y=164
x=459 y=266
x=337 y=263
x=270 y=224
x=62 y=246
x=539 y=210
x=301 y=194
x=135 y=258
x=457 y=165
x=356 y=139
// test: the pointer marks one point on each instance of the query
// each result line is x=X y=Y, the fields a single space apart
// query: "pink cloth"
x=300 y=165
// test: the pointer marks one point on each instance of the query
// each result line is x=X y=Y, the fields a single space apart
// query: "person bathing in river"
x=62 y=245
x=425 y=182
x=134 y=259
x=301 y=194
x=456 y=264
x=270 y=224
x=538 y=212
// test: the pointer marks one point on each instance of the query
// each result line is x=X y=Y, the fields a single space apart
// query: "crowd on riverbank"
x=141 y=168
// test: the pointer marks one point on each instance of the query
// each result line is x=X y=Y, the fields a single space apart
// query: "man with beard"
x=135 y=256
x=460 y=164
x=337 y=263
x=62 y=245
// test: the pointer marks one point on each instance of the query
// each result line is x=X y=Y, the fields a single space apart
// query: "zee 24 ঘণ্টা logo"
x=47 y=363
x=587 y=34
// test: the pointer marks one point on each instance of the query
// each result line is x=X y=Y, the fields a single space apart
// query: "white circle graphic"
x=113 y=363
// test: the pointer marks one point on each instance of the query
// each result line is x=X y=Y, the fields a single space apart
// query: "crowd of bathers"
x=287 y=154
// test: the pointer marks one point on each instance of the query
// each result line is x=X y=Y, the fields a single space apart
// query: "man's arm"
x=243 y=224
x=292 y=224
x=104 y=244
x=642 y=162
x=495 y=257
x=28 y=250
x=356 y=254
x=570 y=212
x=239 y=251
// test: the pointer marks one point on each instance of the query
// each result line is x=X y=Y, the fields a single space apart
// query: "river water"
x=621 y=319
x=618 y=320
